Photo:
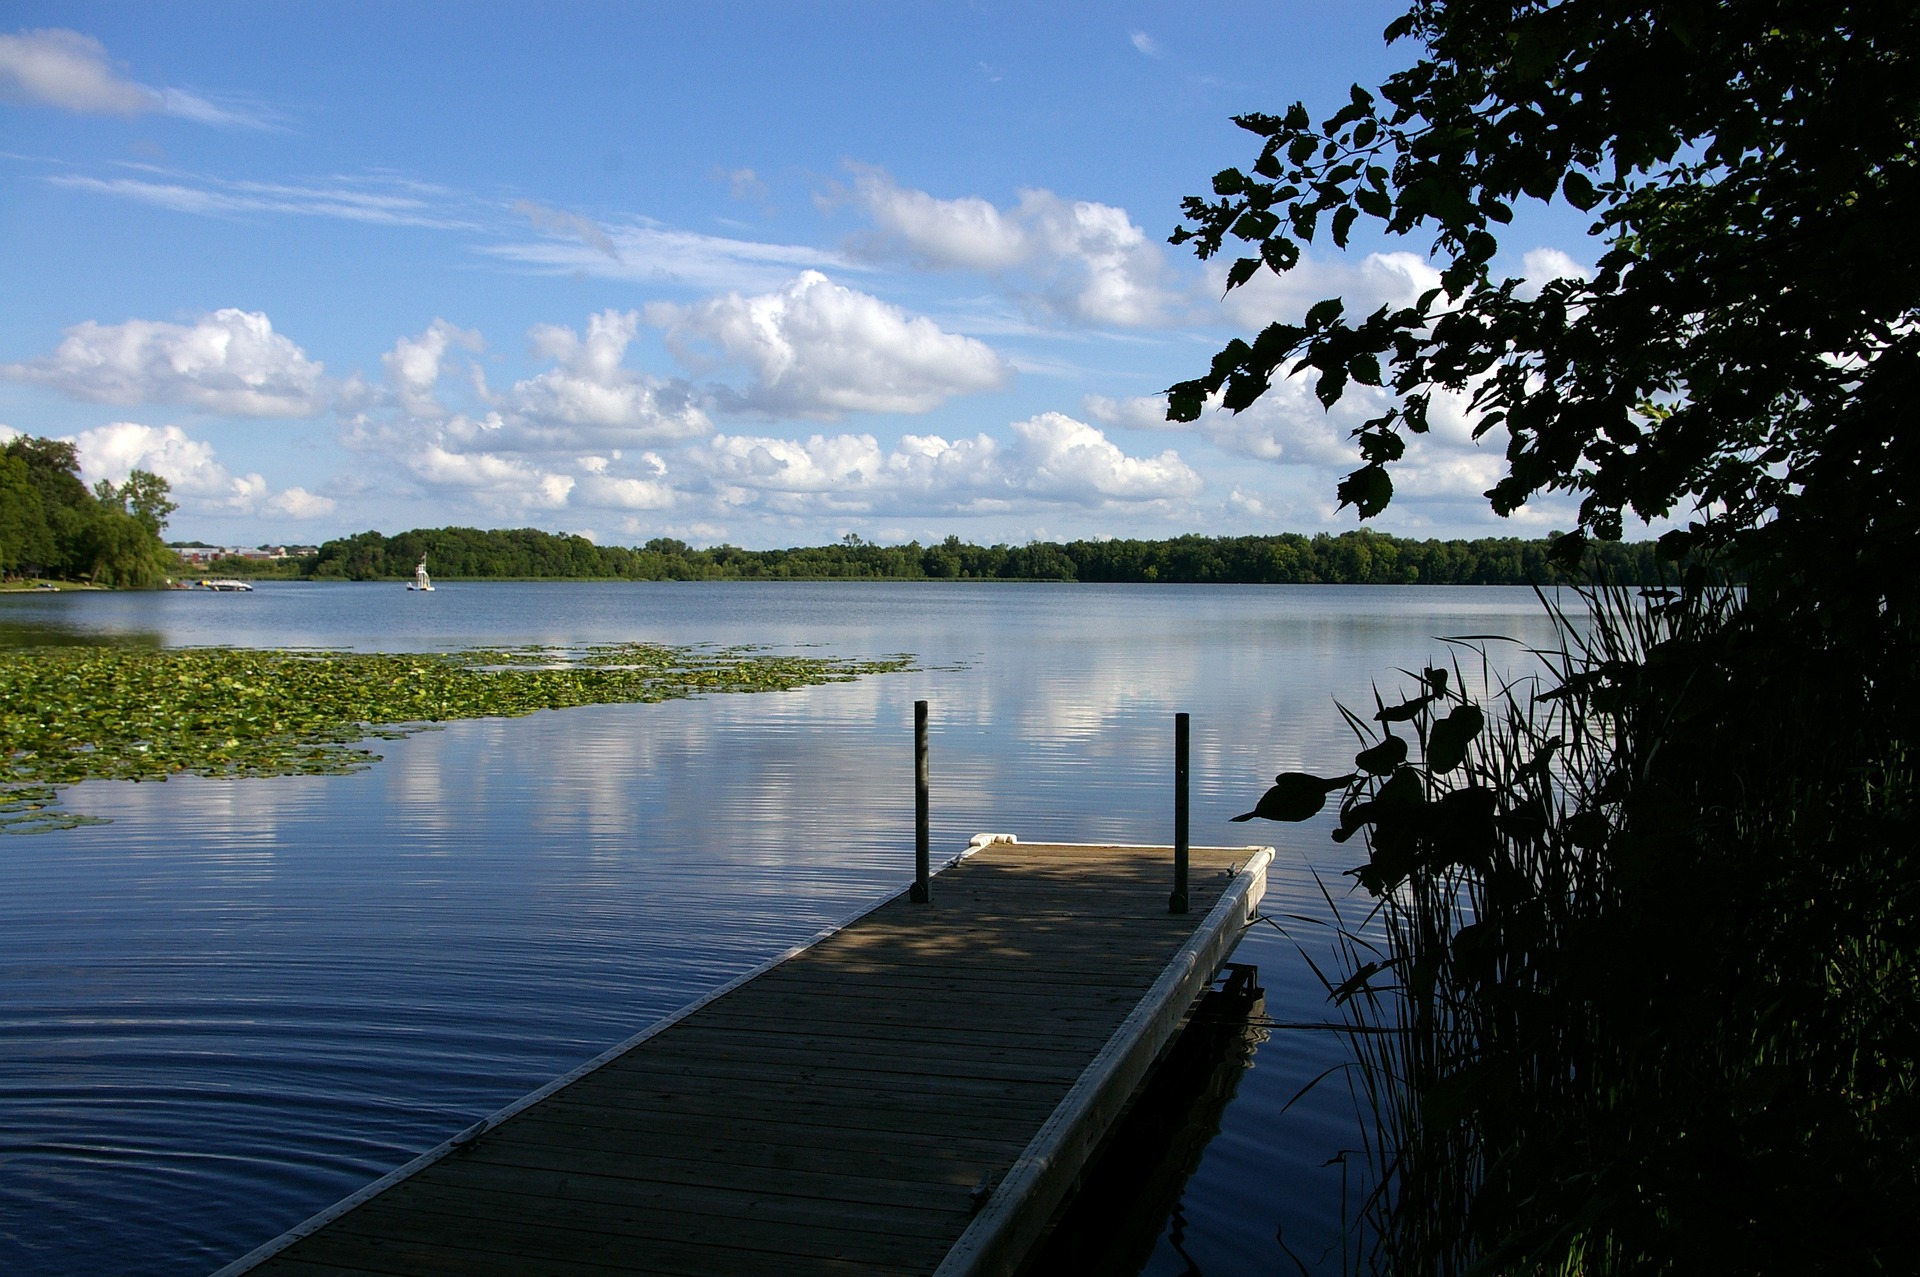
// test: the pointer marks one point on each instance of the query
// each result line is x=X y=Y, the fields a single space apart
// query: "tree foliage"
x=1352 y=558
x=1647 y=1001
x=52 y=526
x=1747 y=348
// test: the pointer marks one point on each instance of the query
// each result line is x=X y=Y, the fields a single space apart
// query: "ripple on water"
x=241 y=1001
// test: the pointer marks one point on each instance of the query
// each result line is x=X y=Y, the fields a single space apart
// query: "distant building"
x=200 y=553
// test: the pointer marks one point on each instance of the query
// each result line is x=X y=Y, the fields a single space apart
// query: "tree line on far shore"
x=1350 y=558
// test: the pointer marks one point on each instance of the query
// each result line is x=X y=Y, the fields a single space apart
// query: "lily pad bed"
x=69 y=714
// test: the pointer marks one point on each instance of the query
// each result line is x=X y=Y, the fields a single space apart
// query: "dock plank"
x=835 y=1113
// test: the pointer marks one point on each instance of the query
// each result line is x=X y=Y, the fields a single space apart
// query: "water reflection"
x=242 y=999
x=58 y=631
x=1131 y=1199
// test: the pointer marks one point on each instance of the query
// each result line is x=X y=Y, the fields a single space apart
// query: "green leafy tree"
x=145 y=496
x=26 y=540
x=1747 y=348
x=148 y=498
x=51 y=523
x=120 y=551
x=1648 y=997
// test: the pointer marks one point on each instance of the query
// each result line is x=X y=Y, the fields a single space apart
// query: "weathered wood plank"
x=834 y=1114
x=819 y=1148
x=563 y=1232
x=637 y=1112
x=880 y=1180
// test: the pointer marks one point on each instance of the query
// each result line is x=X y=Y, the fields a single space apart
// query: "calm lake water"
x=241 y=1000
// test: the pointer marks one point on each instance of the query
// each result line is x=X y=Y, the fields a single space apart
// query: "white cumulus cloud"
x=1078 y=259
x=414 y=364
x=1138 y=412
x=817 y=348
x=1071 y=460
x=502 y=483
x=298 y=503
x=1053 y=460
x=1378 y=279
x=1540 y=266
x=590 y=398
x=555 y=440
x=69 y=71
x=230 y=363
x=588 y=401
x=197 y=478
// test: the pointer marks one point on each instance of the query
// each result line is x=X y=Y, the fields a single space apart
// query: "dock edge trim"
x=260 y=1254
x=1023 y=1203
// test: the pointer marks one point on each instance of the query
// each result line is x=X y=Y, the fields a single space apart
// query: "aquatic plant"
x=69 y=714
x=1636 y=991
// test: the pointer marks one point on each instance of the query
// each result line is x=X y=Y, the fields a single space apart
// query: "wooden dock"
x=914 y=1091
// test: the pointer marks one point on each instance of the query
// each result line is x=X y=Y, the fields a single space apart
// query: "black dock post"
x=922 y=893
x=1177 y=902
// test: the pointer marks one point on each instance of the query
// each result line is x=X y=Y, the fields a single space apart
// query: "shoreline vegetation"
x=1360 y=557
x=69 y=714
x=57 y=533
x=1635 y=990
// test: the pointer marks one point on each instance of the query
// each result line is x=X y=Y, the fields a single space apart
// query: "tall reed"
x=1644 y=997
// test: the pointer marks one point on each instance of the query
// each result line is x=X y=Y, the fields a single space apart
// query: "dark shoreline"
x=1349 y=558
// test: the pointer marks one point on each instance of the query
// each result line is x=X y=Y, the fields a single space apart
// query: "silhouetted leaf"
x=1382 y=758
x=1325 y=312
x=1525 y=823
x=1404 y=711
x=1295 y=796
x=1367 y=490
x=1403 y=789
x=1461 y=828
x=1342 y=223
x=1375 y=203
x=1185 y=401
x=1579 y=191
x=1447 y=740
x=1242 y=271
x=1587 y=830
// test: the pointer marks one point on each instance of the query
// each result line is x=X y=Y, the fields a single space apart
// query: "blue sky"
x=758 y=273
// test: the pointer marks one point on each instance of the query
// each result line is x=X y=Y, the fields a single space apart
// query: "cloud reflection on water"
x=291 y=984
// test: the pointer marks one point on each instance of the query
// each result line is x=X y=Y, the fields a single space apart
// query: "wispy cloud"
x=557 y=222
x=655 y=254
x=569 y=243
x=382 y=201
x=70 y=71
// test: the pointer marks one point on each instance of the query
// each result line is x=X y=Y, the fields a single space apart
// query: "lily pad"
x=69 y=714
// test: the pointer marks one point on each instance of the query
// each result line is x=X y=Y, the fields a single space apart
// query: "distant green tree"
x=145 y=496
x=26 y=539
x=1648 y=979
x=51 y=524
x=1359 y=557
